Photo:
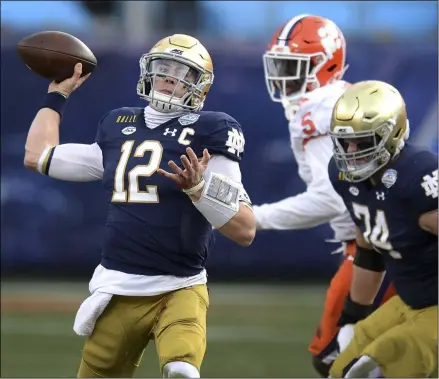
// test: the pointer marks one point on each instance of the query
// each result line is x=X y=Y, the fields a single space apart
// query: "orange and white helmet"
x=305 y=53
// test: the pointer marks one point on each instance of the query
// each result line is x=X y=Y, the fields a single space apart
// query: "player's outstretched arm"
x=221 y=200
x=318 y=205
x=73 y=162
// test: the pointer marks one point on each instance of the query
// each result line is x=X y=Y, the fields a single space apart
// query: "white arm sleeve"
x=219 y=164
x=72 y=162
x=215 y=205
x=318 y=205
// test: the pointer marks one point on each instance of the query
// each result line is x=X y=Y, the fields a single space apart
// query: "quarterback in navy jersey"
x=151 y=282
x=391 y=191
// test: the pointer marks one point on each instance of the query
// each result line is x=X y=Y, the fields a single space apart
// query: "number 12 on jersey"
x=133 y=194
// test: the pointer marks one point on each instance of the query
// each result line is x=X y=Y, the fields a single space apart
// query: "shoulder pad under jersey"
x=315 y=110
x=417 y=169
x=125 y=115
x=335 y=176
x=221 y=134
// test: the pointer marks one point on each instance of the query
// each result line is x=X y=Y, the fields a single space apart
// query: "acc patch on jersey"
x=354 y=190
x=129 y=130
x=389 y=178
x=188 y=119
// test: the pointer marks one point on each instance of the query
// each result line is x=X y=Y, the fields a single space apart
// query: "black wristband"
x=353 y=312
x=55 y=101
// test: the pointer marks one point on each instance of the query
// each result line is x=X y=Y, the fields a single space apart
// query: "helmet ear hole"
x=398 y=133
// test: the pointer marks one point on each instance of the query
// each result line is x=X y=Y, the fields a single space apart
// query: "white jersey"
x=309 y=124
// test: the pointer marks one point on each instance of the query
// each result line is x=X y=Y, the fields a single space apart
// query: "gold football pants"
x=176 y=321
x=403 y=341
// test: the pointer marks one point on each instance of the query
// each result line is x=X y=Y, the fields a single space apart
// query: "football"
x=54 y=54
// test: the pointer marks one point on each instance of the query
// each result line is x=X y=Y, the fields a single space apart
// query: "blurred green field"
x=253 y=330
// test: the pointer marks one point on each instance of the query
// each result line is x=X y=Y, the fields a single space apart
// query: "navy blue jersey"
x=152 y=227
x=388 y=216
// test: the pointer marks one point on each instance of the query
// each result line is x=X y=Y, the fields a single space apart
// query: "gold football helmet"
x=369 y=127
x=176 y=74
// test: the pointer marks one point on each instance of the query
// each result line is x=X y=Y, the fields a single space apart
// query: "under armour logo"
x=235 y=142
x=173 y=132
x=380 y=195
x=176 y=51
x=430 y=184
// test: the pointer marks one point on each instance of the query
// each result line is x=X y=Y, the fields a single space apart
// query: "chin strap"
x=162 y=103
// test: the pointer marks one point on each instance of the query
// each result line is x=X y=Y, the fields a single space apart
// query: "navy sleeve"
x=226 y=138
x=422 y=189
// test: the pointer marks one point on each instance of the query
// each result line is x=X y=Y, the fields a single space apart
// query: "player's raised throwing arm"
x=73 y=162
x=214 y=186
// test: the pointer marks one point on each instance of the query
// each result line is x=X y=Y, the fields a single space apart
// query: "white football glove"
x=365 y=367
x=345 y=336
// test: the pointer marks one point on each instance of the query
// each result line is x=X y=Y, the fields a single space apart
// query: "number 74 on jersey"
x=377 y=234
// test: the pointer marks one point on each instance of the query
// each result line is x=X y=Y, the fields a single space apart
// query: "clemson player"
x=304 y=66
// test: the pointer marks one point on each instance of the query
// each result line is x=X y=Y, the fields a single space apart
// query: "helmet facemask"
x=171 y=83
x=289 y=76
x=371 y=155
